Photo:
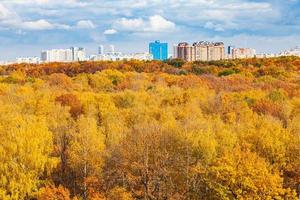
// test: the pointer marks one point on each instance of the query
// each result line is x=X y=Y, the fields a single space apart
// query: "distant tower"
x=112 y=48
x=78 y=53
x=230 y=48
x=101 y=50
x=175 y=52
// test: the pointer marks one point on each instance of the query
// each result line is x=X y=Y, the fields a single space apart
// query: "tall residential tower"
x=201 y=51
x=101 y=50
x=72 y=54
x=158 y=50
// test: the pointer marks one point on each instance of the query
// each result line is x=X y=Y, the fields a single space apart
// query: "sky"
x=29 y=26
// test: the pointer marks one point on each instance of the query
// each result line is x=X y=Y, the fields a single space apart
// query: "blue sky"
x=28 y=26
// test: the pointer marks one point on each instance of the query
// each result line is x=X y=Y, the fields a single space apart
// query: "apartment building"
x=200 y=51
x=240 y=53
x=63 y=55
x=159 y=50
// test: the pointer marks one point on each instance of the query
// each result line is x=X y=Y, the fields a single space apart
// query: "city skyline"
x=197 y=51
x=268 y=26
x=95 y=50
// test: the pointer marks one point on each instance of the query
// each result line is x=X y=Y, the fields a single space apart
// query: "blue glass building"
x=158 y=50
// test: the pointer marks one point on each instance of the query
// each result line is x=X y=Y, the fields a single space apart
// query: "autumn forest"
x=172 y=130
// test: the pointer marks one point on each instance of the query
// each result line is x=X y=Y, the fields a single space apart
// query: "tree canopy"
x=151 y=130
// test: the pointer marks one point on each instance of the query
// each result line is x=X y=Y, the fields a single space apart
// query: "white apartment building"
x=29 y=60
x=140 y=56
x=101 y=50
x=63 y=55
x=266 y=55
x=240 y=53
x=292 y=52
x=111 y=48
x=120 y=56
x=6 y=63
x=175 y=51
x=78 y=54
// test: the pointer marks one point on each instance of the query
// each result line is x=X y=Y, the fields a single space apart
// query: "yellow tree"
x=86 y=151
x=25 y=147
x=119 y=193
x=242 y=174
x=54 y=193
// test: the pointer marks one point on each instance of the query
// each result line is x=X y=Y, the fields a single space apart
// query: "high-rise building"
x=63 y=55
x=216 y=51
x=81 y=54
x=54 y=55
x=158 y=50
x=292 y=52
x=78 y=53
x=101 y=50
x=186 y=52
x=229 y=50
x=175 y=52
x=239 y=53
x=121 y=56
x=30 y=60
x=201 y=51
x=44 y=56
x=68 y=55
x=112 y=48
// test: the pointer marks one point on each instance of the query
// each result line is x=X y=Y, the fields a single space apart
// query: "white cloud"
x=125 y=24
x=10 y=19
x=248 y=6
x=193 y=13
x=62 y=26
x=159 y=24
x=49 y=3
x=38 y=25
x=41 y=24
x=85 y=24
x=110 y=32
x=155 y=23
x=5 y=13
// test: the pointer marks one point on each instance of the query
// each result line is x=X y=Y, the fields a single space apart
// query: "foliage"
x=119 y=194
x=151 y=130
x=71 y=101
x=178 y=63
x=54 y=193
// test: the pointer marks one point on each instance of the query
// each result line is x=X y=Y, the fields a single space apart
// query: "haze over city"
x=29 y=26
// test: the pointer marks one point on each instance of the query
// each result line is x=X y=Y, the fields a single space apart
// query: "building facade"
x=292 y=52
x=116 y=56
x=240 y=53
x=29 y=60
x=201 y=51
x=185 y=52
x=78 y=54
x=216 y=51
x=159 y=50
x=230 y=49
x=111 y=48
x=101 y=50
x=63 y=55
